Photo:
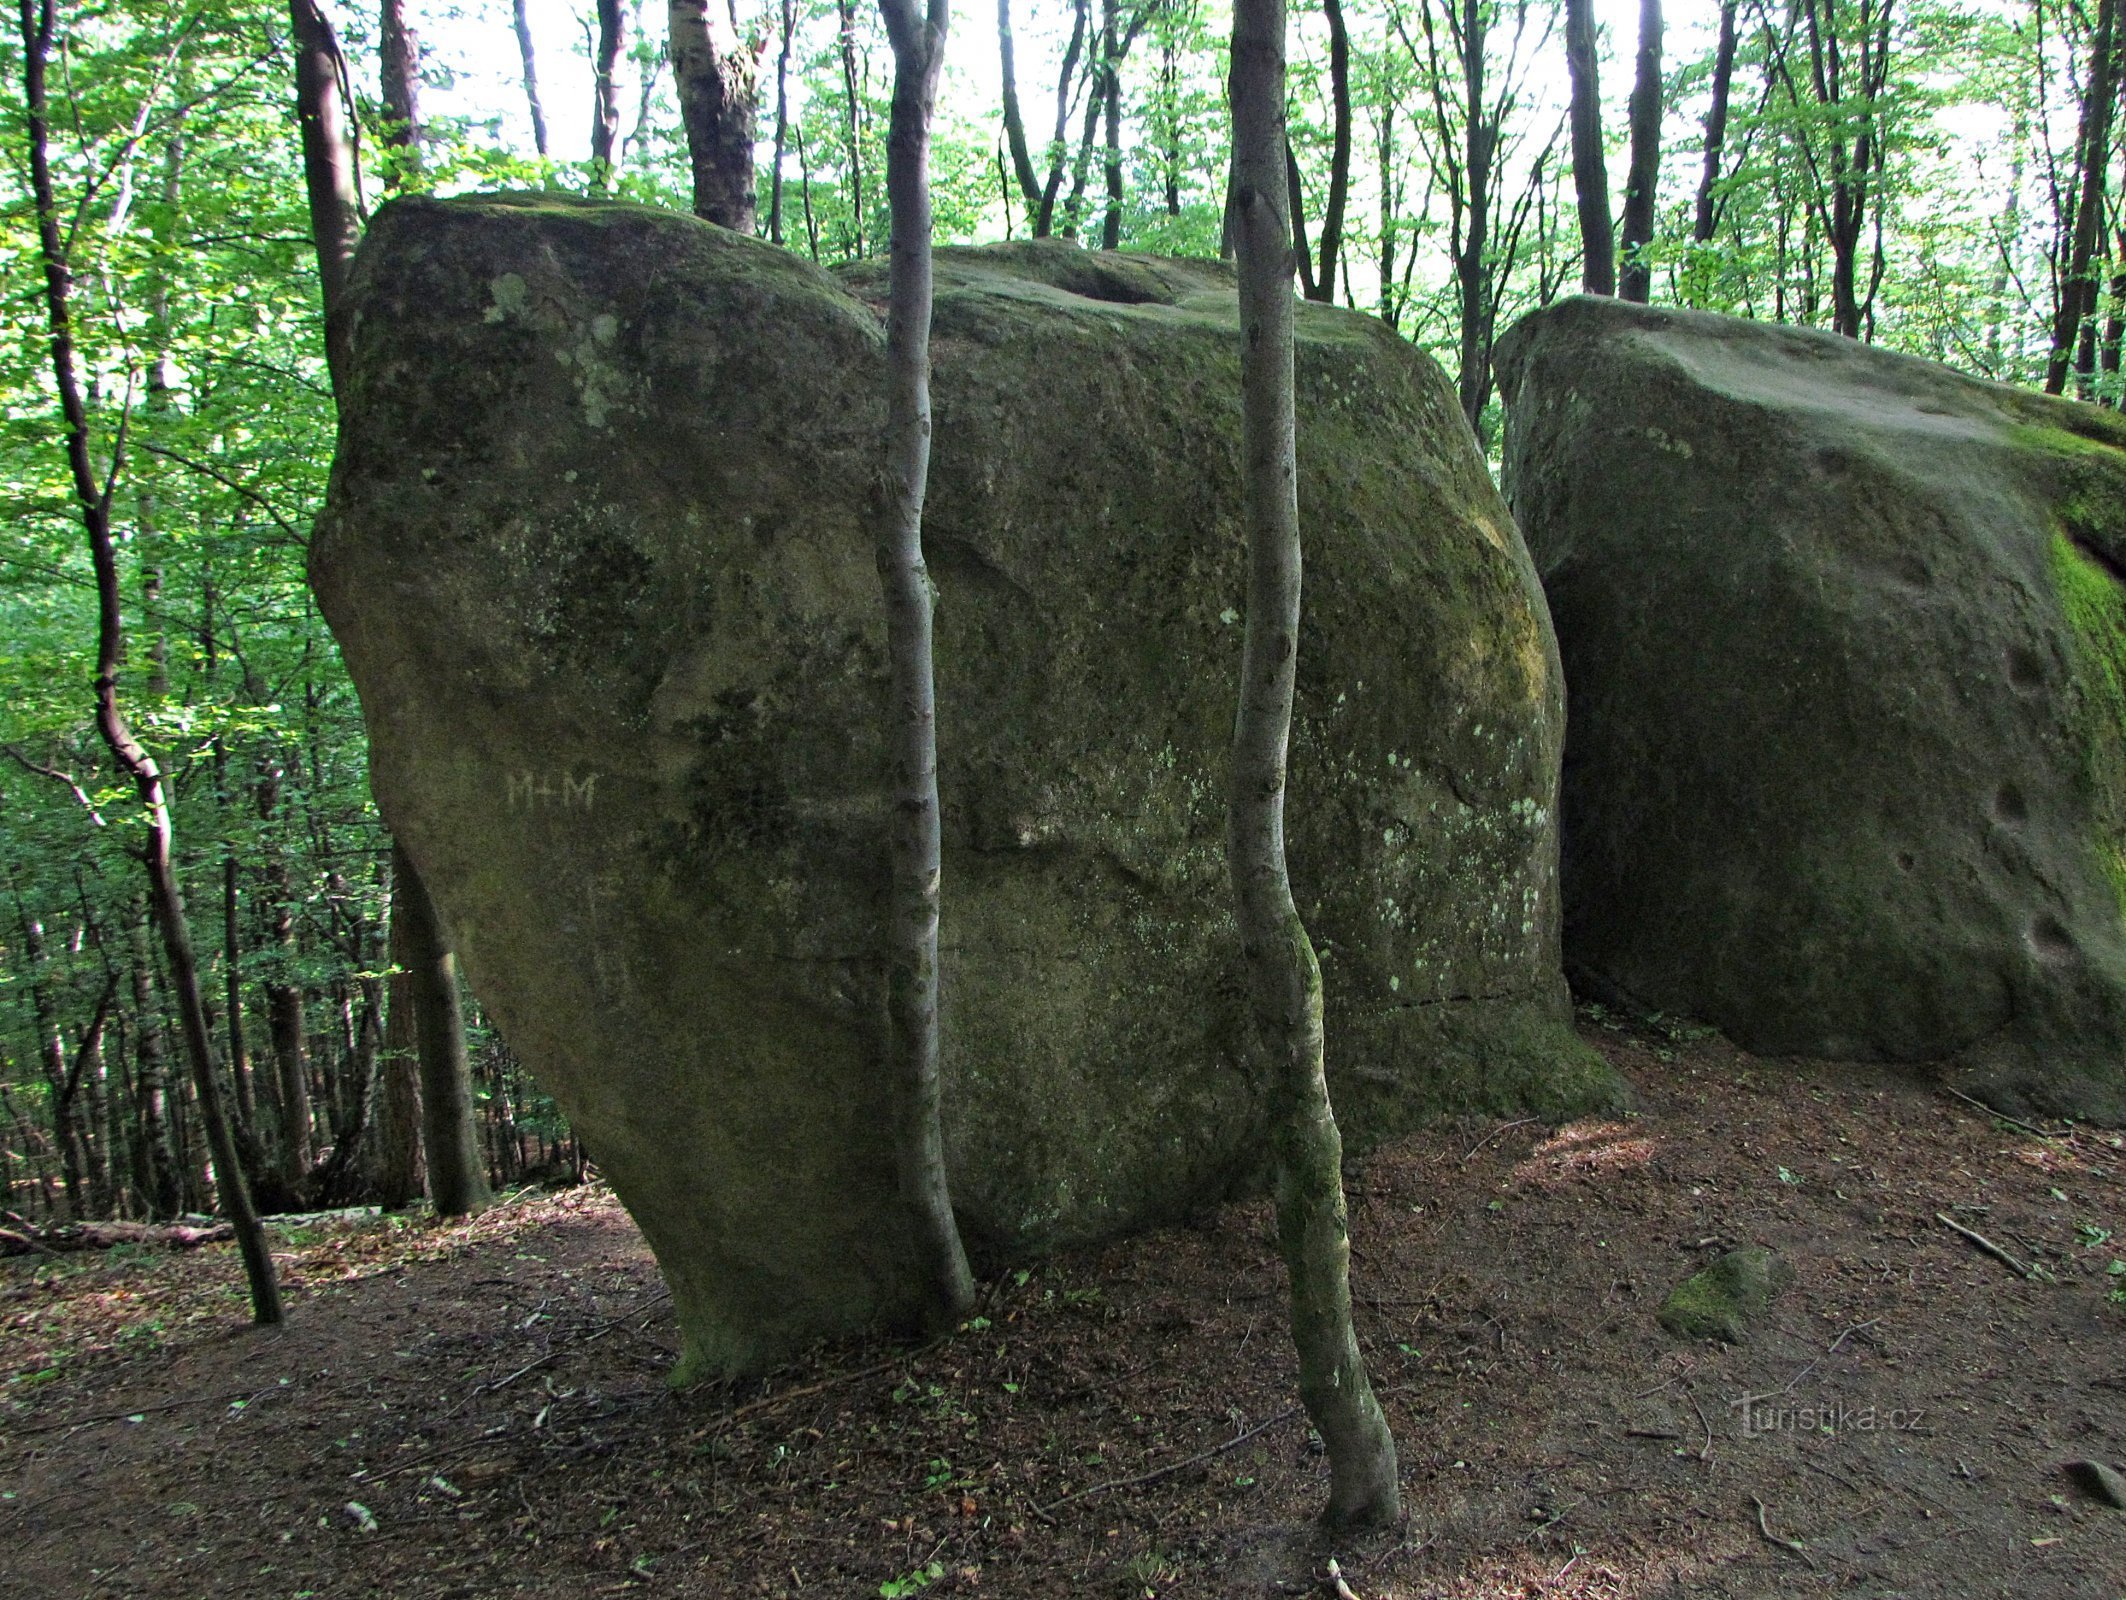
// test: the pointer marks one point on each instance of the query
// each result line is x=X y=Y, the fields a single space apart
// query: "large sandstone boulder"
x=1845 y=642
x=599 y=557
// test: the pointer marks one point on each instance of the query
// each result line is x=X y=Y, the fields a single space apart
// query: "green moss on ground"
x=1724 y=1299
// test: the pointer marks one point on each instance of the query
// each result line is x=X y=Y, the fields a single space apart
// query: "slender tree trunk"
x=397 y=1167
x=2078 y=284
x=52 y=1058
x=1705 y=221
x=233 y=992
x=1332 y=215
x=804 y=195
x=1635 y=279
x=93 y=498
x=457 y=1182
x=1095 y=102
x=1170 y=91
x=718 y=78
x=1295 y=199
x=1284 y=979
x=328 y=168
x=605 y=92
x=1058 y=151
x=1111 y=86
x=1390 y=307
x=1014 y=123
x=1476 y=303
x=782 y=119
x=918 y=40
x=529 y=57
x=399 y=79
x=1590 y=164
x=855 y=126
x=157 y=1166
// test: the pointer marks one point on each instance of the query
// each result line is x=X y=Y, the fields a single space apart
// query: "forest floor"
x=477 y=1409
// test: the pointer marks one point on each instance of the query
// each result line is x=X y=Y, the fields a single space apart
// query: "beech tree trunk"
x=1045 y=217
x=2078 y=283
x=399 y=79
x=918 y=40
x=1014 y=122
x=605 y=92
x=1332 y=215
x=1635 y=279
x=457 y=1178
x=718 y=77
x=93 y=500
x=782 y=120
x=328 y=165
x=1111 y=99
x=1284 y=978
x=1590 y=164
x=854 y=128
x=528 y=56
x=397 y=1167
x=1706 y=220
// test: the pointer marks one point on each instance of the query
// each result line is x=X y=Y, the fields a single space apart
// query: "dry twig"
x=1984 y=1243
x=1167 y=1471
x=1794 y=1545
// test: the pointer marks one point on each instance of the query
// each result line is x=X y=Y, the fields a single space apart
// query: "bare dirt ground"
x=478 y=1409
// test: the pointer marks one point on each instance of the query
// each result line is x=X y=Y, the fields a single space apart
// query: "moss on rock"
x=1727 y=1297
x=599 y=555
x=1843 y=635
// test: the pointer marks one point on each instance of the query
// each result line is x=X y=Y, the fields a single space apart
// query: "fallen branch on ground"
x=1794 y=1545
x=24 y=1238
x=1167 y=1471
x=1984 y=1243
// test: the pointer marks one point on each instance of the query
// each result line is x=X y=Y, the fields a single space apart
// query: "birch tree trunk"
x=1284 y=979
x=918 y=41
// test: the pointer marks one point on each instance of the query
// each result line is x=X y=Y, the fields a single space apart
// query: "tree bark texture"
x=2078 y=283
x=1590 y=165
x=782 y=119
x=1706 y=218
x=93 y=499
x=853 y=129
x=399 y=81
x=529 y=57
x=605 y=92
x=396 y=1169
x=1332 y=214
x=1284 y=978
x=328 y=168
x=1635 y=278
x=450 y=1143
x=918 y=40
x=1014 y=121
x=718 y=77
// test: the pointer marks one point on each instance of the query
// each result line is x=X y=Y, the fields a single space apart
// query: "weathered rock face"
x=599 y=557
x=1845 y=642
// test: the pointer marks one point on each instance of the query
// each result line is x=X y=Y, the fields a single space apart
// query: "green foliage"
x=199 y=338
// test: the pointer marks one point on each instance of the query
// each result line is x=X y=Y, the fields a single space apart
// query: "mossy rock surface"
x=1846 y=646
x=1728 y=1297
x=599 y=554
